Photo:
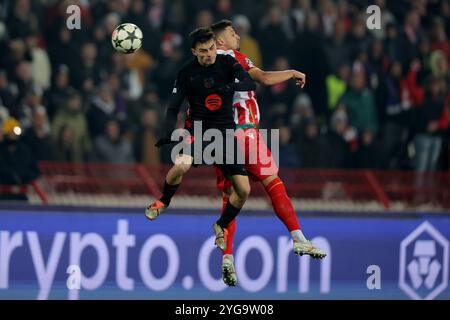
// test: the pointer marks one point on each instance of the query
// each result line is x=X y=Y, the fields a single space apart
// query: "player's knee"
x=181 y=169
x=243 y=191
x=227 y=192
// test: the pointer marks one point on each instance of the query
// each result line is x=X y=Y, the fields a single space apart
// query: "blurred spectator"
x=4 y=114
x=392 y=45
x=288 y=153
x=337 y=85
x=309 y=57
x=103 y=109
x=439 y=66
x=283 y=92
x=8 y=92
x=64 y=50
x=337 y=49
x=341 y=141
x=444 y=10
x=37 y=137
x=166 y=71
x=286 y=19
x=156 y=13
x=146 y=137
x=88 y=70
x=410 y=37
x=57 y=96
x=368 y=154
x=223 y=10
x=40 y=62
x=248 y=44
x=138 y=62
x=21 y=21
x=119 y=99
x=376 y=65
x=111 y=147
x=302 y=110
x=102 y=42
x=359 y=38
x=359 y=103
x=431 y=119
x=70 y=129
x=328 y=16
x=130 y=69
x=136 y=15
x=64 y=145
x=32 y=101
x=395 y=115
x=311 y=146
x=204 y=18
x=271 y=36
x=299 y=13
x=439 y=39
x=177 y=16
x=24 y=80
x=17 y=164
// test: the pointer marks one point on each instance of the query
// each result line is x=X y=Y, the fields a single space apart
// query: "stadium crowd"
x=373 y=99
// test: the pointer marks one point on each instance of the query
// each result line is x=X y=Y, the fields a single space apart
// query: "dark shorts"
x=227 y=157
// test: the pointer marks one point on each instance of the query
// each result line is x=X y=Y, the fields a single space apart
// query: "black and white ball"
x=127 y=38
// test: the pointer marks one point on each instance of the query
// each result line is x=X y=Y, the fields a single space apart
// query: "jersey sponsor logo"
x=213 y=102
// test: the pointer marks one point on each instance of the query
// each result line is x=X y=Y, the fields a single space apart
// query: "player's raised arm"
x=270 y=78
x=175 y=101
x=245 y=83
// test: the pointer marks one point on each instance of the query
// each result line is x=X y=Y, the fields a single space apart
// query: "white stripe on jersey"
x=226 y=52
x=240 y=97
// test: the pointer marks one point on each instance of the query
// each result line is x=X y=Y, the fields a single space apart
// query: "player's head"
x=203 y=46
x=226 y=36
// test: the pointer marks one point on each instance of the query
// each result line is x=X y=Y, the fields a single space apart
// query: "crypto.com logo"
x=424 y=263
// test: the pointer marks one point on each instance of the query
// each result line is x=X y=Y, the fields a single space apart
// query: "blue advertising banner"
x=84 y=254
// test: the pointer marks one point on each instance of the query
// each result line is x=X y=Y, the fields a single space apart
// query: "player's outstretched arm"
x=270 y=78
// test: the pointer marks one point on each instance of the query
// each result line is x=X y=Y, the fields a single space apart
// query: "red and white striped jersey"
x=246 y=110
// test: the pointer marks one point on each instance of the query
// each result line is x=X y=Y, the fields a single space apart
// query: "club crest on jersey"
x=249 y=62
x=208 y=82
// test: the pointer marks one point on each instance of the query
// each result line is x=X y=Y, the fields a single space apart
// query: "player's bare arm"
x=269 y=78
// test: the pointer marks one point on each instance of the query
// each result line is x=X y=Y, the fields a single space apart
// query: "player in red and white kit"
x=260 y=168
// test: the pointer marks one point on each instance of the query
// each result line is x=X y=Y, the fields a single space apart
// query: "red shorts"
x=259 y=162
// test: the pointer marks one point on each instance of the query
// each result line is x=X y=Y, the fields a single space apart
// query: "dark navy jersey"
x=209 y=91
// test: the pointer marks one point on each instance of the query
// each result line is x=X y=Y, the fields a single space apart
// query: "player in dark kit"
x=208 y=82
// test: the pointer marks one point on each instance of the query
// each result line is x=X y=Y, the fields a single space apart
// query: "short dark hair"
x=220 y=26
x=200 y=35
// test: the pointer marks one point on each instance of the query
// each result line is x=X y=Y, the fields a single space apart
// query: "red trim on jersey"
x=241 y=113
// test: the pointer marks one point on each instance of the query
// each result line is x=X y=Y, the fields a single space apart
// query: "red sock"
x=282 y=204
x=231 y=230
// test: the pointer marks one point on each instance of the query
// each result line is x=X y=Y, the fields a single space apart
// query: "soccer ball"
x=127 y=38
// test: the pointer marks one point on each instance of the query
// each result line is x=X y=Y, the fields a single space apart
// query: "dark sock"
x=168 y=192
x=228 y=215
